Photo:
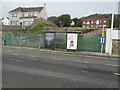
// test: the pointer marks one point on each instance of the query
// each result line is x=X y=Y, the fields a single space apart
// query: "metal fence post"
x=12 y=37
x=20 y=39
x=54 y=41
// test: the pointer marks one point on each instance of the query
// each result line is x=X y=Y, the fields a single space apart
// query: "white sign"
x=72 y=41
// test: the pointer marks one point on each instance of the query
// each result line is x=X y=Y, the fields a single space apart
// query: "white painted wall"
x=6 y=21
x=26 y=20
x=14 y=18
x=0 y=21
x=110 y=35
x=42 y=14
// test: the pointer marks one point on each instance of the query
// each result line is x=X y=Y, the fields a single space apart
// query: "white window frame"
x=84 y=22
x=92 y=22
x=97 y=22
x=30 y=14
x=25 y=23
x=105 y=25
x=14 y=14
x=23 y=14
x=17 y=23
x=91 y=26
x=88 y=26
x=83 y=26
x=88 y=22
x=104 y=21
x=30 y=22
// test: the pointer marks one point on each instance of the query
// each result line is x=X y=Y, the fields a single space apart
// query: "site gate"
x=90 y=43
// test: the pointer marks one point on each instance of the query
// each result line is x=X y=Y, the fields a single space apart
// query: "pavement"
x=69 y=52
x=39 y=68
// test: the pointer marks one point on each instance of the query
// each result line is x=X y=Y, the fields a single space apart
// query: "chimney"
x=44 y=4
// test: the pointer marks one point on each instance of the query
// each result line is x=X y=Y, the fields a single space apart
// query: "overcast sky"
x=75 y=9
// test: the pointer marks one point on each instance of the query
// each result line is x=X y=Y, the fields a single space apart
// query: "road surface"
x=42 y=69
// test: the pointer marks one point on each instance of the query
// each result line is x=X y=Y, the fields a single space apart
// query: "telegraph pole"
x=112 y=22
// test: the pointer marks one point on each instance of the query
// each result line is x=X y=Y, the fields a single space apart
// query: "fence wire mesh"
x=85 y=43
x=60 y=41
x=90 y=43
x=18 y=39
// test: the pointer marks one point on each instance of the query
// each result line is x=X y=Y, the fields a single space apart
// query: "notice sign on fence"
x=72 y=41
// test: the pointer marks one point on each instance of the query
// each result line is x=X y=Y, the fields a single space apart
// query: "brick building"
x=95 y=23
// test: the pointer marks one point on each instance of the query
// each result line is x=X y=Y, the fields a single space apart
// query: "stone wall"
x=10 y=28
x=116 y=46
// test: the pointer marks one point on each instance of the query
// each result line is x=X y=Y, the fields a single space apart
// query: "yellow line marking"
x=101 y=57
x=113 y=65
x=26 y=50
x=115 y=58
x=55 y=58
x=54 y=53
x=9 y=51
x=81 y=62
x=32 y=56
x=67 y=54
x=88 y=56
x=15 y=54
x=70 y=54
x=80 y=55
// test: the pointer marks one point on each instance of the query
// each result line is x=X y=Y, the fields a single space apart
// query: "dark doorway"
x=20 y=23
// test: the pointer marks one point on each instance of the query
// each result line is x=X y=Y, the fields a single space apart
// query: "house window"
x=25 y=23
x=104 y=25
x=23 y=14
x=91 y=26
x=92 y=22
x=14 y=15
x=84 y=22
x=30 y=22
x=17 y=23
x=97 y=22
x=83 y=26
x=30 y=14
x=14 y=22
x=104 y=21
x=87 y=22
x=87 y=26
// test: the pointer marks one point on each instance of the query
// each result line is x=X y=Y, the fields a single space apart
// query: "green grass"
x=38 y=29
x=39 y=26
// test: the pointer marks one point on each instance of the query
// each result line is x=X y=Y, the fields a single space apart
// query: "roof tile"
x=23 y=9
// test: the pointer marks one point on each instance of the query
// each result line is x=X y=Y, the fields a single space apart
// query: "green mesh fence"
x=60 y=41
x=8 y=39
x=85 y=43
x=90 y=43
x=18 y=39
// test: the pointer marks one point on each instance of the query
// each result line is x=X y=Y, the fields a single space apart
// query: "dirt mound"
x=39 y=21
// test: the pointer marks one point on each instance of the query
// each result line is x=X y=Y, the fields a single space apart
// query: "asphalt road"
x=39 y=69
